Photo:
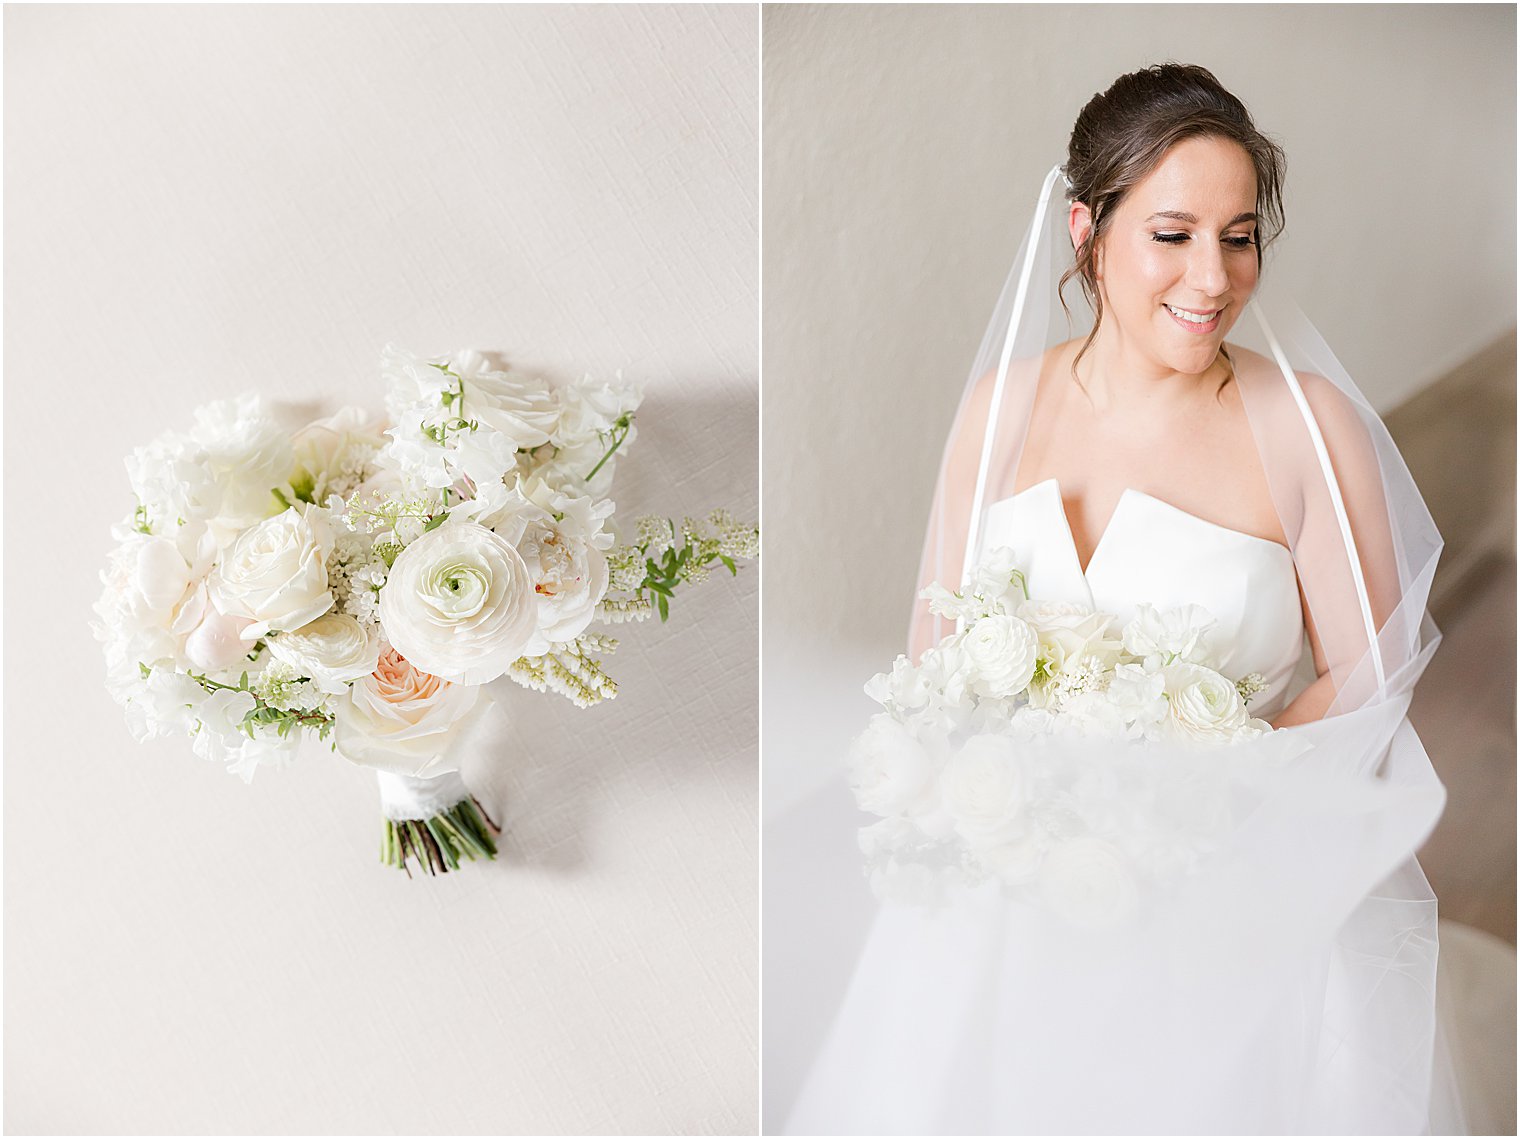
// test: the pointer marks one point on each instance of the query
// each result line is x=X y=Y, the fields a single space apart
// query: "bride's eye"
x=1241 y=242
x=1169 y=238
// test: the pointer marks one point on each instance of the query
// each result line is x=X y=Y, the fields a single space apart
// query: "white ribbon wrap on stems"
x=404 y=797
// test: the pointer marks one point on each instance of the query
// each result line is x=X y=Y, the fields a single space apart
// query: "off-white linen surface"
x=203 y=201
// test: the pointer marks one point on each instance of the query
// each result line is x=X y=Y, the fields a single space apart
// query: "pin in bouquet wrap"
x=362 y=580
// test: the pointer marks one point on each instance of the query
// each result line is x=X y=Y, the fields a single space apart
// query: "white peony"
x=405 y=721
x=982 y=788
x=247 y=453
x=1165 y=636
x=560 y=537
x=275 y=573
x=333 y=651
x=459 y=603
x=889 y=769
x=1002 y=650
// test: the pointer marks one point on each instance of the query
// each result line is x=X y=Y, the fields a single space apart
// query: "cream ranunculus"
x=332 y=650
x=405 y=721
x=275 y=573
x=1203 y=706
x=982 y=787
x=1002 y=650
x=459 y=603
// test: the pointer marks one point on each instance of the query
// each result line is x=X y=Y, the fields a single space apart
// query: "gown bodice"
x=1155 y=552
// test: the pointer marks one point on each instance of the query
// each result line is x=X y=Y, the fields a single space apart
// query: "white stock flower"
x=1165 y=636
x=1087 y=881
x=403 y=720
x=889 y=769
x=982 y=788
x=1203 y=706
x=333 y=651
x=459 y=603
x=275 y=573
x=1003 y=651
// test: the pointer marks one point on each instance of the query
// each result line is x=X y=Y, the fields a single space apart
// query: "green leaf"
x=660 y=588
x=436 y=521
x=729 y=562
x=279 y=496
x=664 y=606
x=144 y=669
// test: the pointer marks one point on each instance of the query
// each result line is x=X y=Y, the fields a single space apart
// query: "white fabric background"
x=203 y=201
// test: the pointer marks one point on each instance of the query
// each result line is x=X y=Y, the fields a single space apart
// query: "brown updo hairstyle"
x=1123 y=134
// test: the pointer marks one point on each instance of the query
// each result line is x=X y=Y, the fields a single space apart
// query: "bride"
x=1171 y=437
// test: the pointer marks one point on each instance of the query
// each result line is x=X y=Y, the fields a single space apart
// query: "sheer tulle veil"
x=1286 y=987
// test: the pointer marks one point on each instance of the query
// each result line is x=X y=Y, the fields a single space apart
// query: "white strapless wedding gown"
x=1289 y=990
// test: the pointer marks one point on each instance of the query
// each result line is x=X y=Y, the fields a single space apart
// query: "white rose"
x=405 y=721
x=275 y=573
x=1163 y=636
x=1002 y=650
x=459 y=603
x=333 y=650
x=982 y=788
x=1070 y=632
x=1203 y=706
x=1086 y=881
x=889 y=769
x=333 y=455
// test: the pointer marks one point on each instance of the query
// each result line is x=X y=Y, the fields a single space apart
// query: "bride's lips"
x=1189 y=326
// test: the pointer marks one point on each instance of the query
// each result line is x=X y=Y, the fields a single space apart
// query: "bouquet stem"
x=436 y=821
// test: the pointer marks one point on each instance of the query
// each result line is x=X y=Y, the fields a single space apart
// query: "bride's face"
x=1178 y=262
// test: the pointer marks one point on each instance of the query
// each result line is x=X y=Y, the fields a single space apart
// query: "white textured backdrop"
x=201 y=201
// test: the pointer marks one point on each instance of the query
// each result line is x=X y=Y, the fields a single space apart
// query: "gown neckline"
x=1060 y=507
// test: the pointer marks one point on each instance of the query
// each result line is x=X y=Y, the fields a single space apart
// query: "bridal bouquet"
x=365 y=578
x=1022 y=749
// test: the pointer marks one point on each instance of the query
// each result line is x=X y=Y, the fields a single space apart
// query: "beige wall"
x=903 y=148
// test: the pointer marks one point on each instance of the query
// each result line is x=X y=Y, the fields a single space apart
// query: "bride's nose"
x=1206 y=270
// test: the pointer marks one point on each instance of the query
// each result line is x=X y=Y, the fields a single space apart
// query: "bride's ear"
x=1079 y=223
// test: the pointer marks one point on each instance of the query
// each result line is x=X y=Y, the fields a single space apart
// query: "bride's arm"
x=1312 y=703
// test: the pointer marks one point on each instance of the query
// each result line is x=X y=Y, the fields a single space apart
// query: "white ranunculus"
x=1203 y=707
x=1087 y=881
x=1002 y=650
x=889 y=769
x=982 y=788
x=403 y=720
x=333 y=651
x=1164 y=636
x=275 y=573
x=459 y=603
